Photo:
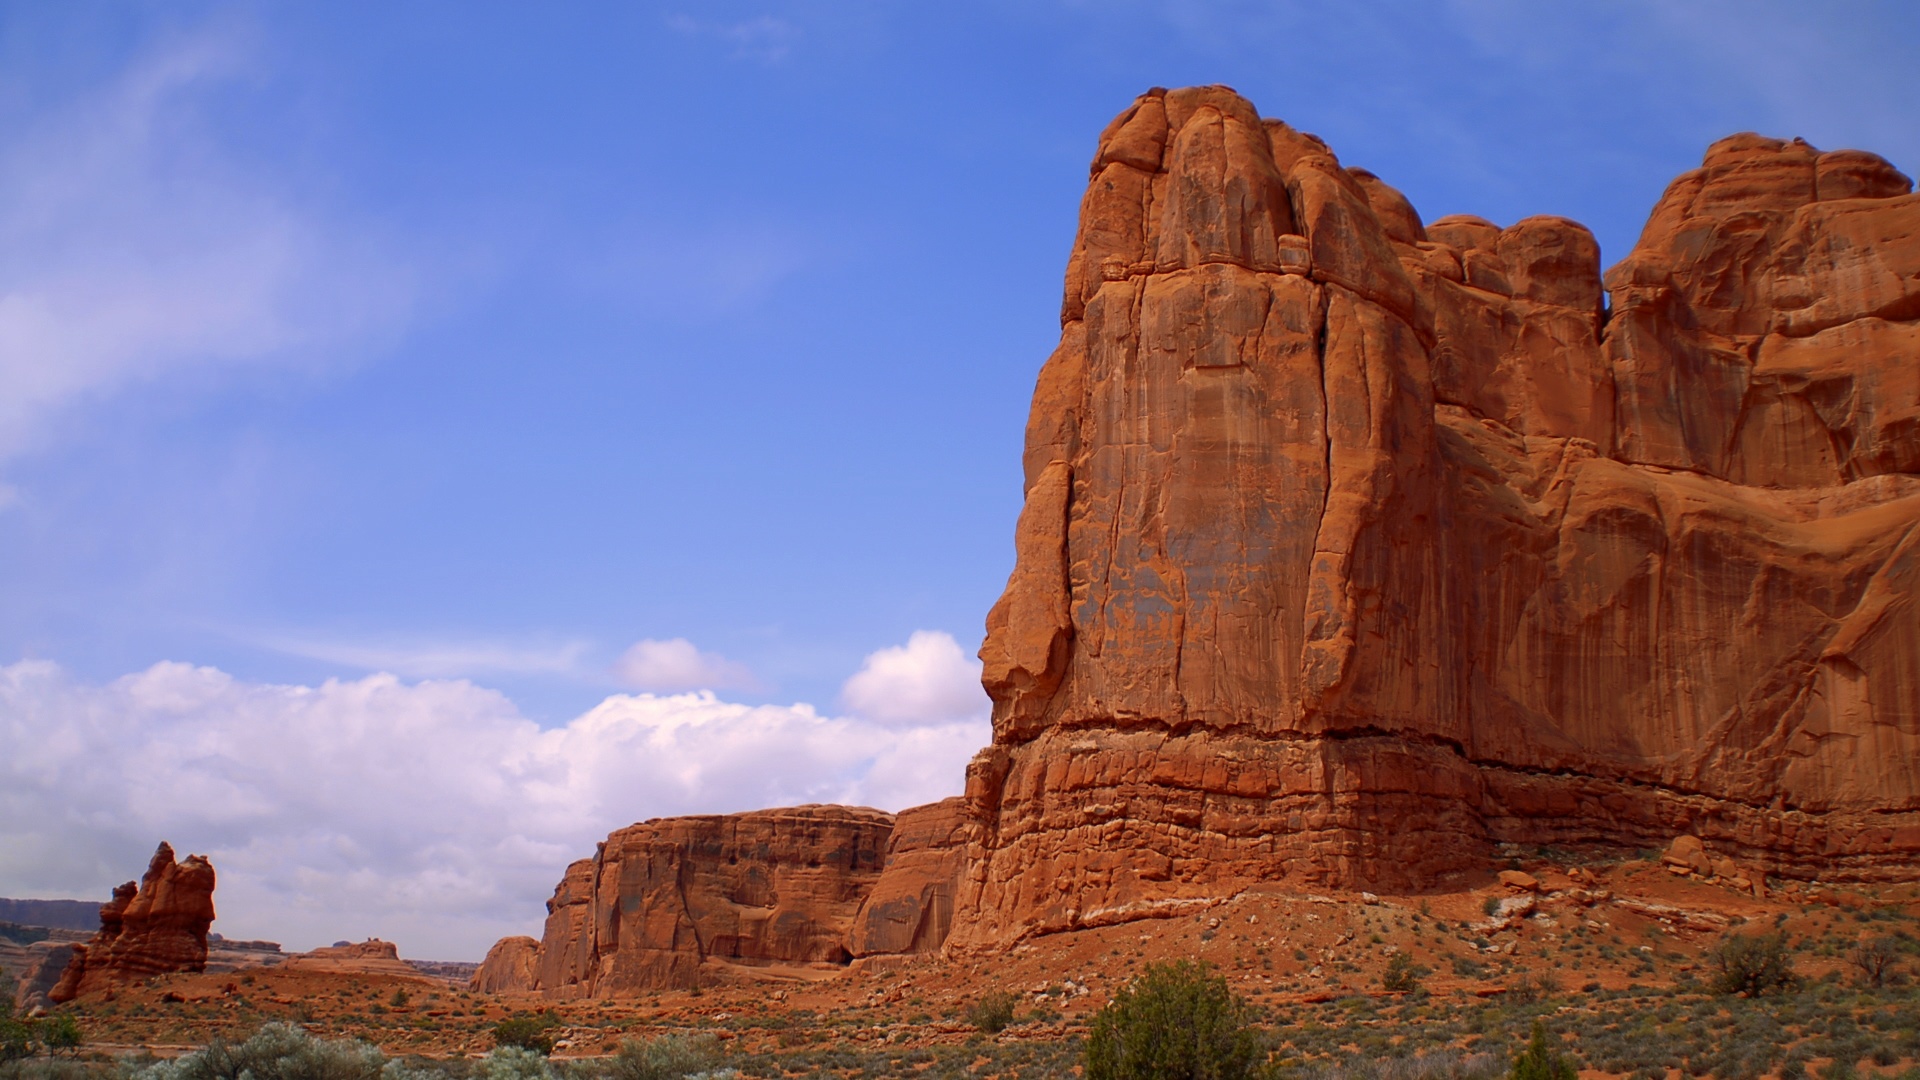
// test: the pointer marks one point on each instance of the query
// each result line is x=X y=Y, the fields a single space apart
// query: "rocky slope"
x=1354 y=545
x=156 y=928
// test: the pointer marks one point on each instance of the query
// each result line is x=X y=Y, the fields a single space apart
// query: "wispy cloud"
x=441 y=659
x=430 y=813
x=763 y=38
x=135 y=247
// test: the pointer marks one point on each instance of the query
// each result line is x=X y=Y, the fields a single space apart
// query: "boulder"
x=153 y=929
x=1519 y=879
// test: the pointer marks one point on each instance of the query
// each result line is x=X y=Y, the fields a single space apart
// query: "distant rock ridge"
x=788 y=893
x=57 y=914
x=157 y=927
x=1356 y=545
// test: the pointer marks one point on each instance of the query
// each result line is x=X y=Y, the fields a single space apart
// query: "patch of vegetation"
x=23 y=1037
x=527 y=1032
x=1177 y=1021
x=993 y=1011
x=1402 y=975
x=275 y=1052
x=1753 y=965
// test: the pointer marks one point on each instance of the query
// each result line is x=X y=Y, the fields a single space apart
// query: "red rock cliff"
x=159 y=927
x=664 y=897
x=1354 y=545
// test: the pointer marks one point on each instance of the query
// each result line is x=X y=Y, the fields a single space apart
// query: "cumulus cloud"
x=135 y=246
x=431 y=813
x=927 y=680
x=674 y=665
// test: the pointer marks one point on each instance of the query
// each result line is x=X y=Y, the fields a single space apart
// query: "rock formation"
x=159 y=927
x=513 y=964
x=909 y=909
x=1354 y=545
x=659 y=899
x=46 y=962
x=370 y=957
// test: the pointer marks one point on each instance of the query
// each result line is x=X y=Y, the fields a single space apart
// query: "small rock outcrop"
x=512 y=965
x=370 y=957
x=160 y=926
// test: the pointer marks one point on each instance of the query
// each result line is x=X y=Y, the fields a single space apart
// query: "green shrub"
x=1177 y=1021
x=1541 y=1061
x=993 y=1011
x=60 y=1032
x=275 y=1052
x=512 y=1062
x=669 y=1057
x=1402 y=974
x=1753 y=966
x=527 y=1032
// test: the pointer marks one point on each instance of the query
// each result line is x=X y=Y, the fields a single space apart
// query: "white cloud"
x=134 y=246
x=927 y=680
x=433 y=813
x=674 y=665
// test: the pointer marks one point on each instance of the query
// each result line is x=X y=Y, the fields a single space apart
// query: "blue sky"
x=473 y=344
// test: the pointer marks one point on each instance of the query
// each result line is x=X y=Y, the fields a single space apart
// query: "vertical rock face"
x=158 y=927
x=1354 y=544
x=513 y=964
x=673 y=901
x=659 y=899
x=909 y=909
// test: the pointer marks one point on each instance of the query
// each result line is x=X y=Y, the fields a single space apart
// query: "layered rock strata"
x=160 y=926
x=909 y=909
x=662 y=900
x=1354 y=545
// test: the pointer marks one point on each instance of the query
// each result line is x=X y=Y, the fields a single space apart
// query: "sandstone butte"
x=1355 y=545
x=156 y=928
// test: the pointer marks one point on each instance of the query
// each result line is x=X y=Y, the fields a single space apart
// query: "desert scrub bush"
x=1753 y=965
x=1176 y=1021
x=669 y=1057
x=527 y=1032
x=993 y=1011
x=508 y=1062
x=1540 y=1060
x=1402 y=975
x=275 y=1052
x=1874 y=959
